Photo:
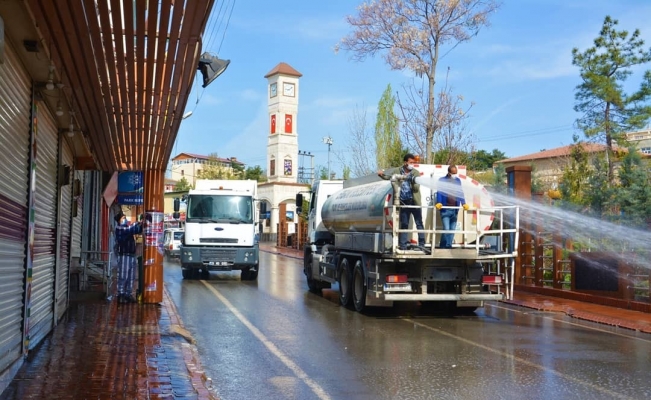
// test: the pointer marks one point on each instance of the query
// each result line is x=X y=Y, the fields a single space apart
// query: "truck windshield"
x=222 y=208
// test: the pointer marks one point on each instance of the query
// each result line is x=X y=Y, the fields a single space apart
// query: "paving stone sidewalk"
x=106 y=350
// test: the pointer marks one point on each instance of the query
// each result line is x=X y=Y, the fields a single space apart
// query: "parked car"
x=171 y=242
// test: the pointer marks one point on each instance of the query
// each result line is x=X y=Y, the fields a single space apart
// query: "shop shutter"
x=77 y=220
x=63 y=272
x=15 y=97
x=41 y=318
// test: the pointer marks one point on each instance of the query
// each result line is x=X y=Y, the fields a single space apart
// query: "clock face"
x=288 y=89
x=273 y=89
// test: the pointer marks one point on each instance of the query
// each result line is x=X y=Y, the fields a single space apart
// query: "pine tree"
x=607 y=110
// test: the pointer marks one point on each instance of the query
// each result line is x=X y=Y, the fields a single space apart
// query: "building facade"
x=187 y=165
x=641 y=140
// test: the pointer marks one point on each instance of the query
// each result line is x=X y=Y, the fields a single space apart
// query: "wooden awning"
x=129 y=68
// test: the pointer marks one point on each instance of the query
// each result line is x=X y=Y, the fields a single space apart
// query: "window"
x=288 y=167
x=225 y=208
x=182 y=173
x=646 y=150
x=272 y=168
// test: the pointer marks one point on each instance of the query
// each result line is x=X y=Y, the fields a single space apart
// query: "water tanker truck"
x=353 y=229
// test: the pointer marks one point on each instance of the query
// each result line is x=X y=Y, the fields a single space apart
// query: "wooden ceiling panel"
x=130 y=66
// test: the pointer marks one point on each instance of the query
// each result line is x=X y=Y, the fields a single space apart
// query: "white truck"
x=221 y=229
x=353 y=242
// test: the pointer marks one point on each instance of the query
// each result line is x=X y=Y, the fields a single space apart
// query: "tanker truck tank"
x=367 y=207
x=359 y=208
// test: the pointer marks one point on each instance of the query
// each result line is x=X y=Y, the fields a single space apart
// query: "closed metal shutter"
x=15 y=98
x=77 y=221
x=41 y=319
x=63 y=271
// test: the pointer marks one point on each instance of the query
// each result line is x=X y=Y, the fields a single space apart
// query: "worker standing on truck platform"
x=450 y=195
x=409 y=196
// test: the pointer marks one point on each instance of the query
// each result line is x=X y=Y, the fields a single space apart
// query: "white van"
x=171 y=242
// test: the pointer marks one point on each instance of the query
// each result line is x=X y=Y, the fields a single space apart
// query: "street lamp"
x=328 y=140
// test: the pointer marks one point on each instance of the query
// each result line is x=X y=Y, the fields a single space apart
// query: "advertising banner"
x=154 y=230
x=130 y=188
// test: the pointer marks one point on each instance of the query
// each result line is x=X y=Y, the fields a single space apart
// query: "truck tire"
x=249 y=275
x=345 y=282
x=186 y=272
x=312 y=283
x=359 y=287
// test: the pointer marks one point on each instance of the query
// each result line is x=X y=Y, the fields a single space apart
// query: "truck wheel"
x=312 y=284
x=253 y=275
x=186 y=272
x=248 y=275
x=345 y=280
x=359 y=287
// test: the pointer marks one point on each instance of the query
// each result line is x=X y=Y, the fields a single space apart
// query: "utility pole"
x=328 y=140
x=304 y=177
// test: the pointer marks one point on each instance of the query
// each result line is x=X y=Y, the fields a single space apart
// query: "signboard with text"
x=130 y=188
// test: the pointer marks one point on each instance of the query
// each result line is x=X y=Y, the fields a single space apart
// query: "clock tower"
x=282 y=145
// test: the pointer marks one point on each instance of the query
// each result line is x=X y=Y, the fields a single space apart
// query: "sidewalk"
x=633 y=320
x=106 y=350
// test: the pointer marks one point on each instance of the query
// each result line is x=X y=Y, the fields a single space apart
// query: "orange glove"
x=466 y=207
x=439 y=206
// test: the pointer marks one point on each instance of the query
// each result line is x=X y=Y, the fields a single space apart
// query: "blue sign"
x=130 y=188
x=130 y=182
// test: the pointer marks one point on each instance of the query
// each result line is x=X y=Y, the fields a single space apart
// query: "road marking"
x=522 y=360
x=573 y=323
x=316 y=388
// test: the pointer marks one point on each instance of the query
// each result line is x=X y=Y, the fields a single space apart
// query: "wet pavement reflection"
x=273 y=339
x=103 y=350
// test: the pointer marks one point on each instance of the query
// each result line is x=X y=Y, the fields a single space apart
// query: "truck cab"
x=221 y=229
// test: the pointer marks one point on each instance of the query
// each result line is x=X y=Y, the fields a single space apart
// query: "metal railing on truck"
x=496 y=246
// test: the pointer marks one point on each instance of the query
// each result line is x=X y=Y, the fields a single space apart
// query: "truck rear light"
x=491 y=279
x=396 y=278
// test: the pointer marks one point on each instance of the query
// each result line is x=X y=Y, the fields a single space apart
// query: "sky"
x=518 y=74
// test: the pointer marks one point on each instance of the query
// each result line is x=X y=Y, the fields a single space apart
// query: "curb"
x=274 y=250
x=200 y=381
x=582 y=315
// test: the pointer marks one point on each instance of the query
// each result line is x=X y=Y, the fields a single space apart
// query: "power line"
x=226 y=28
x=532 y=132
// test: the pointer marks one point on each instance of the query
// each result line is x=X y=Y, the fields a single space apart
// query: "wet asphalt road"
x=272 y=339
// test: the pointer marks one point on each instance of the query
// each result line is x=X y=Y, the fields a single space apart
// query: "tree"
x=607 y=111
x=451 y=138
x=182 y=185
x=411 y=34
x=574 y=180
x=387 y=134
x=214 y=169
x=322 y=172
x=255 y=173
x=482 y=160
x=346 y=172
x=633 y=194
x=360 y=144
